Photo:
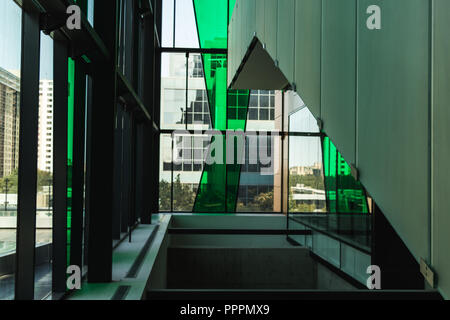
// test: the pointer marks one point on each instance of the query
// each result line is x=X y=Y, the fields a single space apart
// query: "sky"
x=186 y=28
x=10 y=41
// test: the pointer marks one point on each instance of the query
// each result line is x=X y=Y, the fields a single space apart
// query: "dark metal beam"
x=28 y=143
x=60 y=121
x=78 y=166
x=101 y=148
x=193 y=50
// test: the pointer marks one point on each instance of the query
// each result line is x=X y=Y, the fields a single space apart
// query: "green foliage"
x=44 y=178
x=183 y=196
x=164 y=195
x=263 y=202
x=301 y=207
x=312 y=181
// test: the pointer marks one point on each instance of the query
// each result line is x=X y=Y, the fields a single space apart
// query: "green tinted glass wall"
x=219 y=184
x=212 y=23
x=344 y=193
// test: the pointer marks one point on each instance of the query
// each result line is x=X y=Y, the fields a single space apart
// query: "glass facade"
x=194 y=96
x=45 y=228
x=10 y=67
x=344 y=193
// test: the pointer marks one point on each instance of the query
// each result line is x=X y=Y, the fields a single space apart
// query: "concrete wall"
x=240 y=268
x=210 y=267
x=372 y=90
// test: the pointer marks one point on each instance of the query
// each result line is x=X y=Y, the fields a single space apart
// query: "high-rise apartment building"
x=45 y=142
x=9 y=122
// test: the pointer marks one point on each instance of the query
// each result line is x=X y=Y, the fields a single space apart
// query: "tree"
x=311 y=181
x=44 y=178
x=164 y=195
x=264 y=201
x=183 y=196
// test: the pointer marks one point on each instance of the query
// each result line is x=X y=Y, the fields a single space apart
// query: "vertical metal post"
x=174 y=21
x=187 y=91
x=60 y=123
x=78 y=167
x=171 y=173
x=100 y=165
x=28 y=142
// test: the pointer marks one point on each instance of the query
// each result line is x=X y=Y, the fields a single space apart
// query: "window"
x=43 y=268
x=10 y=65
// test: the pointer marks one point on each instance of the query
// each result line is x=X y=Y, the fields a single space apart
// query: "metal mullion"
x=78 y=167
x=132 y=174
x=125 y=168
x=192 y=50
x=187 y=90
x=171 y=173
x=174 y=22
x=60 y=135
x=224 y=132
x=117 y=175
x=27 y=177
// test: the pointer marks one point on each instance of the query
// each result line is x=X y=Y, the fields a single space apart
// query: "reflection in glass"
x=173 y=91
x=258 y=174
x=198 y=116
x=344 y=193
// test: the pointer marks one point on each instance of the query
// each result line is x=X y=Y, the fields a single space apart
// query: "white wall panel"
x=393 y=106
x=308 y=19
x=260 y=20
x=250 y=21
x=338 y=91
x=271 y=18
x=285 y=37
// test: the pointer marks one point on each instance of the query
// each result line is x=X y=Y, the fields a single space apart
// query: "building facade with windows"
x=9 y=122
x=45 y=144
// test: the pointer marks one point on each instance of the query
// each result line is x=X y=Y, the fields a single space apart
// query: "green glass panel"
x=219 y=184
x=215 y=71
x=237 y=109
x=212 y=192
x=212 y=24
x=70 y=114
x=344 y=193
